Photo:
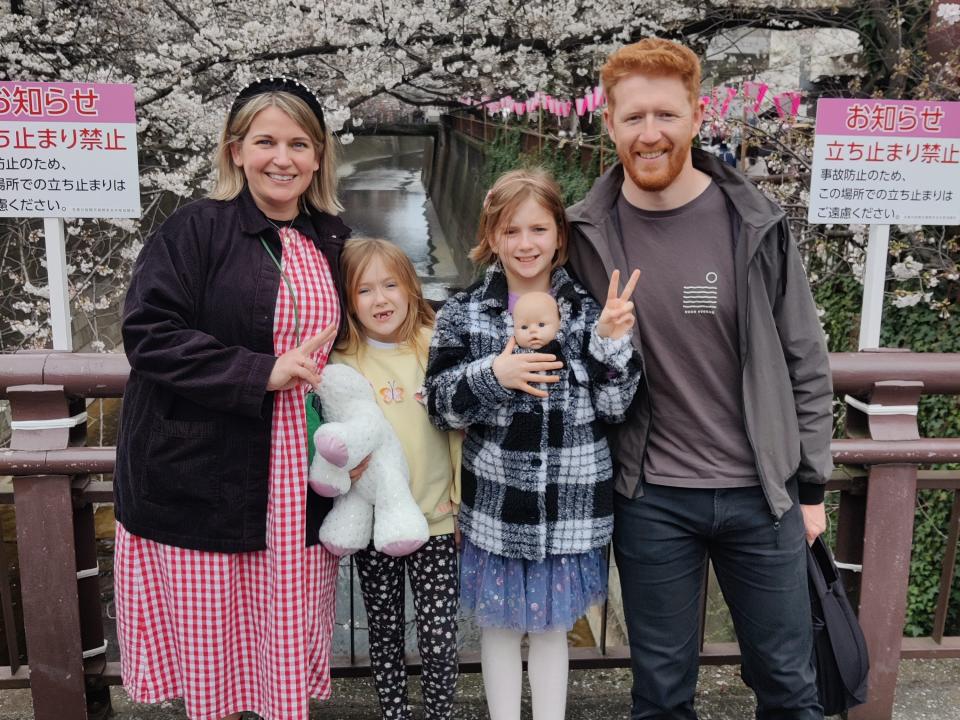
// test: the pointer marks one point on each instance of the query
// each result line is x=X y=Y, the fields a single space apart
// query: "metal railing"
x=53 y=494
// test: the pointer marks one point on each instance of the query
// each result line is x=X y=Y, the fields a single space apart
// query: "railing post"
x=93 y=644
x=45 y=545
x=890 y=413
x=946 y=572
x=851 y=527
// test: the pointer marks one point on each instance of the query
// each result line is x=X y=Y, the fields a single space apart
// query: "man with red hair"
x=727 y=446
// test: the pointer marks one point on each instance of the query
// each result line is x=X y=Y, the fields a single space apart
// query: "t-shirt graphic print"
x=701 y=299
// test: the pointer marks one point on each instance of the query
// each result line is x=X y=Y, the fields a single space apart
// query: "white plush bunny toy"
x=380 y=501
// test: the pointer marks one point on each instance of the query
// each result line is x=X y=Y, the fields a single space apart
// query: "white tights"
x=547 y=662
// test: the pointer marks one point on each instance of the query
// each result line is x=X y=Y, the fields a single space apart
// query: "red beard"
x=661 y=179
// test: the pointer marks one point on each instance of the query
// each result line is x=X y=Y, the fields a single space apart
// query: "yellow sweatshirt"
x=433 y=456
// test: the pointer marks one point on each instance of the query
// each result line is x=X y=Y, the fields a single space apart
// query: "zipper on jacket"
x=743 y=393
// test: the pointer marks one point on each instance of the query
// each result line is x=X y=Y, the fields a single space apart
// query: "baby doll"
x=536 y=320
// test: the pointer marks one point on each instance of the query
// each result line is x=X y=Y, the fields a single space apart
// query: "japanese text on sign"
x=33 y=101
x=28 y=137
x=68 y=150
x=886 y=161
x=881 y=117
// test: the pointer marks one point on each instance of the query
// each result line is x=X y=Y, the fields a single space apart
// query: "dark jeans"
x=662 y=541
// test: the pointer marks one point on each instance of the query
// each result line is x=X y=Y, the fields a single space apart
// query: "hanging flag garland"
x=716 y=105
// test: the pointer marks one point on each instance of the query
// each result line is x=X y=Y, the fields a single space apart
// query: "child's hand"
x=359 y=470
x=516 y=372
x=297 y=365
x=616 y=319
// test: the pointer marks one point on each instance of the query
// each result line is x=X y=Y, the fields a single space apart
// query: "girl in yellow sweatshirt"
x=388 y=340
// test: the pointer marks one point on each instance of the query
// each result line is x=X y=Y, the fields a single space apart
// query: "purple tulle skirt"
x=530 y=595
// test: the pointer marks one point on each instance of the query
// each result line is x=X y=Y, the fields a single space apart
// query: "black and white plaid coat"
x=537 y=474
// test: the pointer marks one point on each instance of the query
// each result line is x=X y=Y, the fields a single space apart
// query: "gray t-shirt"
x=687 y=307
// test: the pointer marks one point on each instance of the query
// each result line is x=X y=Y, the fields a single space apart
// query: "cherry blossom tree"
x=187 y=58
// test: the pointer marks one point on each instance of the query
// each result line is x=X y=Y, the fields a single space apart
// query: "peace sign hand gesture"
x=297 y=364
x=616 y=318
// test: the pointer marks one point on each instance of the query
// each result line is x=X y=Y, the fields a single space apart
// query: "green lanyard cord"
x=293 y=295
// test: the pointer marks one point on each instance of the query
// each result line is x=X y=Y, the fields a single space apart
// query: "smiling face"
x=380 y=302
x=652 y=122
x=536 y=320
x=526 y=244
x=278 y=160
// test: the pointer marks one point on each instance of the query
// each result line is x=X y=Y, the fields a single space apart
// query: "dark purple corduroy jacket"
x=194 y=445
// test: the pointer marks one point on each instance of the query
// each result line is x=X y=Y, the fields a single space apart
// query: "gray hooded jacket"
x=786 y=386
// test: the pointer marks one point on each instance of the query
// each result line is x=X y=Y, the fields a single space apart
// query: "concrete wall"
x=455 y=183
x=372 y=147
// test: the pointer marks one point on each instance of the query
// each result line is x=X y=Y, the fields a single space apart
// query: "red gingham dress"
x=241 y=631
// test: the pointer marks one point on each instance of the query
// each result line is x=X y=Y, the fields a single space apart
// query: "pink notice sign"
x=884 y=162
x=68 y=150
x=66 y=102
x=888 y=118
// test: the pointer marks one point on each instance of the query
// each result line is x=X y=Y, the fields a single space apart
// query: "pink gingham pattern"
x=241 y=631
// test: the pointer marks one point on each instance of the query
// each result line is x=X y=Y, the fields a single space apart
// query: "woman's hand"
x=616 y=319
x=516 y=372
x=297 y=365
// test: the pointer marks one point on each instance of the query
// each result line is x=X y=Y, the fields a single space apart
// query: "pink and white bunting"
x=716 y=105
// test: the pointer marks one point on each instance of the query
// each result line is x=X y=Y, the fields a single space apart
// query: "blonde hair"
x=655 y=57
x=355 y=258
x=322 y=192
x=510 y=191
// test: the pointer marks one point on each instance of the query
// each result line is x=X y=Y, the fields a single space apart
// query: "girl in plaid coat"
x=536 y=486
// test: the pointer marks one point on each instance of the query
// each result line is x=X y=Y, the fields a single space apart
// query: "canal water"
x=384 y=196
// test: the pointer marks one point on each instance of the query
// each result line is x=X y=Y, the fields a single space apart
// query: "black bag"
x=839 y=650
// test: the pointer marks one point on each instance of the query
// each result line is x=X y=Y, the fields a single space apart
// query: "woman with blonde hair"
x=224 y=597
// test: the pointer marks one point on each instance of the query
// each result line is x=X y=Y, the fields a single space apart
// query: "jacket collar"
x=754 y=208
x=494 y=293
x=755 y=211
x=317 y=225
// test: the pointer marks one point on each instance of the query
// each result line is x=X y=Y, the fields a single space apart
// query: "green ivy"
x=922 y=329
x=502 y=154
x=506 y=153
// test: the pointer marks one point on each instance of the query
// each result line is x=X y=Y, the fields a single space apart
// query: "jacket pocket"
x=184 y=464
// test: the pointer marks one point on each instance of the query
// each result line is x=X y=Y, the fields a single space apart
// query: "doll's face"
x=536 y=320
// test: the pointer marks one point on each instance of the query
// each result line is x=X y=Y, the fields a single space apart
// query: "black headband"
x=279 y=84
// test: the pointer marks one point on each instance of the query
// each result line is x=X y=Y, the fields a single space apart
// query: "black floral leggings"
x=434 y=581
